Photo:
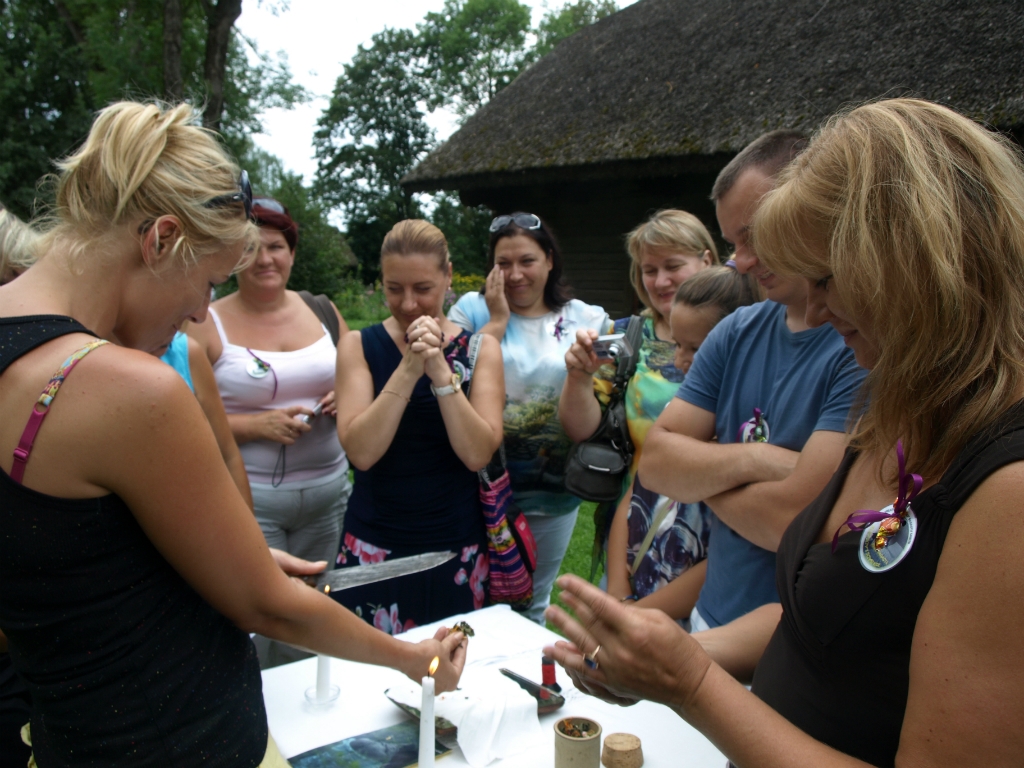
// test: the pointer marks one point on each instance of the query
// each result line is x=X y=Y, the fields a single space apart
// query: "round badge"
x=754 y=432
x=257 y=369
x=897 y=546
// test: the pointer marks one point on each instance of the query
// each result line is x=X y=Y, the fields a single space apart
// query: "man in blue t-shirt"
x=773 y=391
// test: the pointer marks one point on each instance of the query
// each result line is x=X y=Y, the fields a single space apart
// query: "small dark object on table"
x=464 y=628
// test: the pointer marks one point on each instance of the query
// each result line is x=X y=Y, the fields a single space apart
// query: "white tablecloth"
x=503 y=639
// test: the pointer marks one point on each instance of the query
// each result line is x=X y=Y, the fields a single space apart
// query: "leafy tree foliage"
x=62 y=59
x=370 y=136
x=465 y=228
x=474 y=48
x=558 y=24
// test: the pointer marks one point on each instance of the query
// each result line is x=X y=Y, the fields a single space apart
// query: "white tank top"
x=303 y=377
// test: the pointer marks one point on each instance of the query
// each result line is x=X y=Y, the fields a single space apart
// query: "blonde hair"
x=415 y=236
x=918 y=212
x=721 y=288
x=143 y=161
x=667 y=229
x=18 y=243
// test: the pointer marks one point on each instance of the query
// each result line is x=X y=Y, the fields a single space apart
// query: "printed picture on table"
x=396 y=746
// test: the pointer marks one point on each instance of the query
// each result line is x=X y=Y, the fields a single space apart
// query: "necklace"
x=888 y=533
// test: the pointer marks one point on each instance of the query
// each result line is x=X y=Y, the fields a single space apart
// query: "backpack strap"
x=42 y=407
x=323 y=308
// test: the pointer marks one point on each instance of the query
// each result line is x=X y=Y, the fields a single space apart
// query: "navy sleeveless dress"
x=419 y=497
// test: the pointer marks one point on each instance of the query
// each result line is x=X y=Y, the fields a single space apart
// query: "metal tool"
x=331 y=581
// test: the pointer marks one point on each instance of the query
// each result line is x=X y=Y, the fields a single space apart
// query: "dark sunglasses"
x=521 y=220
x=269 y=204
x=243 y=196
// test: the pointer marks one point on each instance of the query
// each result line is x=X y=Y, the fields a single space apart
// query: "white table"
x=503 y=639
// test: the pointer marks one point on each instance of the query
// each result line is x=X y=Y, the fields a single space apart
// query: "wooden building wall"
x=592 y=218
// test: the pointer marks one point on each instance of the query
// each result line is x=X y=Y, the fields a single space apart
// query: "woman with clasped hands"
x=898 y=642
x=131 y=569
x=417 y=422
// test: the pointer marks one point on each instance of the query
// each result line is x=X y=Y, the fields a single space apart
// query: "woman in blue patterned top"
x=527 y=306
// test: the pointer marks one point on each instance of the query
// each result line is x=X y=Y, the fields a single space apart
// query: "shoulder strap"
x=645 y=545
x=324 y=309
x=627 y=365
x=497 y=463
x=42 y=407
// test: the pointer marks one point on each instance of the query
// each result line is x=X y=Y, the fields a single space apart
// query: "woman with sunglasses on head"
x=131 y=570
x=417 y=421
x=898 y=641
x=527 y=306
x=274 y=360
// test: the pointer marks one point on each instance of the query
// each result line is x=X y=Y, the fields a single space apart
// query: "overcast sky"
x=319 y=37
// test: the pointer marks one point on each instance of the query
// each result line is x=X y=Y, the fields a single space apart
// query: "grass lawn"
x=577 y=557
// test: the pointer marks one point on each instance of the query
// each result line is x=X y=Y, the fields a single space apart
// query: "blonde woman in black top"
x=899 y=638
x=131 y=569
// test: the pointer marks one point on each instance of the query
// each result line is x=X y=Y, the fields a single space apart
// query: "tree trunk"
x=173 y=86
x=221 y=18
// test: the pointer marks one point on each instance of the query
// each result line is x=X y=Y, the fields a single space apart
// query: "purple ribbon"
x=909 y=486
x=756 y=423
x=264 y=364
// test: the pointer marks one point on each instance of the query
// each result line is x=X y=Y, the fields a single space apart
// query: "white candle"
x=427 y=724
x=323 y=678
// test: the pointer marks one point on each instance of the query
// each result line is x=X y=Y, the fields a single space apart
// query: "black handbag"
x=596 y=467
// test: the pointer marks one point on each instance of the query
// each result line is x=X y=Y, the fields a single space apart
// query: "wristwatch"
x=450 y=388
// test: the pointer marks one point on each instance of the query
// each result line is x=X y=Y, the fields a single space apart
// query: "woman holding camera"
x=664 y=252
x=527 y=306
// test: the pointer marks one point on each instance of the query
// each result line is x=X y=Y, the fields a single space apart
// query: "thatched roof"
x=664 y=83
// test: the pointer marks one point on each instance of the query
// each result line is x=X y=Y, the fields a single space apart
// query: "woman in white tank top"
x=275 y=362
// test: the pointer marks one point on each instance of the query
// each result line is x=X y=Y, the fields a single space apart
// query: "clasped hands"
x=425 y=351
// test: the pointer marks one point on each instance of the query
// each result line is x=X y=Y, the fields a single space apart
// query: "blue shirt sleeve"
x=844 y=384
x=703 y=383
x=470 y=312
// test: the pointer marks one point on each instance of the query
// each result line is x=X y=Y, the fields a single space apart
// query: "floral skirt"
x=395 y=605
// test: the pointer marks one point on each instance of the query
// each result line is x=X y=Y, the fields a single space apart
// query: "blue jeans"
x=552 y=535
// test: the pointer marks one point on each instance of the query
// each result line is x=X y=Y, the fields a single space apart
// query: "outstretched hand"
x=643 y=653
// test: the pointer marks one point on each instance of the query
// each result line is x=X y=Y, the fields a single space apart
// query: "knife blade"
x=344 y=578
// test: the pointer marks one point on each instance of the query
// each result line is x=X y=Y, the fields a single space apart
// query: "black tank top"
x=838 y=665
x=127 y=665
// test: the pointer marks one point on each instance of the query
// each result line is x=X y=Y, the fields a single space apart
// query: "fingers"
x=296 y=410
x=296 y=566
x=451 y=642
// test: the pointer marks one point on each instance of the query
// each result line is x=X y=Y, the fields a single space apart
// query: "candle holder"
x=323 y=694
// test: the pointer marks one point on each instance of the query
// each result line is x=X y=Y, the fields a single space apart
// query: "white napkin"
x=495 y=717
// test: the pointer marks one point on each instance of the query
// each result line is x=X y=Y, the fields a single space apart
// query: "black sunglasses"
x=243 y=196
x=521 y=220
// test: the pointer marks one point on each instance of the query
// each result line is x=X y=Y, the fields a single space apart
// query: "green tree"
x=465 y=228
x=473 y=49
x=559 y=23
x=370 y=136
x=62 y=59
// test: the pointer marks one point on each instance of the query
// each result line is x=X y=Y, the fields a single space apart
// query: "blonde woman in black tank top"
x=899 y=638
x=131 y=569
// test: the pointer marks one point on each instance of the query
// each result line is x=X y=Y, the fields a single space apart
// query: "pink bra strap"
x=42 y=407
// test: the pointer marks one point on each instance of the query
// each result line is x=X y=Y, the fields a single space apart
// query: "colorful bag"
x=510 y=543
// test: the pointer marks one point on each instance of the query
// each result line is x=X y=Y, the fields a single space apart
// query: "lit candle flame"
x=433 y=666
x=327 y=589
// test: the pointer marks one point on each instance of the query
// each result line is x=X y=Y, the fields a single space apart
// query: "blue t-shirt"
x=176 y=356
x=802 y=383
x=533 y=351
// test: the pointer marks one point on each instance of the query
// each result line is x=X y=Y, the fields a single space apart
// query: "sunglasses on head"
x=521 y=220
x=243 y=196
x=269 y=204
